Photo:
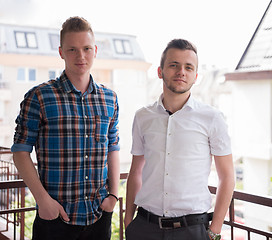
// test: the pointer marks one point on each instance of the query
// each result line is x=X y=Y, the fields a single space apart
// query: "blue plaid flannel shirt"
x=72 y=134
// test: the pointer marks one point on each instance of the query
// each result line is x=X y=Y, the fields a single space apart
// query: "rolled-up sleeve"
x=113 y=134
x=28 y=122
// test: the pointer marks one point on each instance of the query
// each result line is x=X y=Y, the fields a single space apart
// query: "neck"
x=81 y=82
x=174 y=102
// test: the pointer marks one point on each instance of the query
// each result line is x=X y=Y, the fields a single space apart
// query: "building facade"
x=252 y=118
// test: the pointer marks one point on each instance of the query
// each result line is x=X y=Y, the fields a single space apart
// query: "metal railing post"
x=231 y=216
x=121 y=230
x=14 y=227
x=22 y=218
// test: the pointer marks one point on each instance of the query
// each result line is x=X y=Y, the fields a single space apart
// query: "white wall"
x=252 y=142
x=252 y=119
x=131 y=89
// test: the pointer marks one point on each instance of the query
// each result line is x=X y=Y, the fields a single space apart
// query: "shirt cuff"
x=18 y=147
x=114 y=148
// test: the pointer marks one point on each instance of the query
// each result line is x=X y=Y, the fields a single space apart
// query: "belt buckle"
x=174 y=224
x=160 y=223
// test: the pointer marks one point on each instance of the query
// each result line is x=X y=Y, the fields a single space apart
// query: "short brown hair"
x=179 y=44
x=75 y=24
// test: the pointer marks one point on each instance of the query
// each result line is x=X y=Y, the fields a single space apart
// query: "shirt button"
x=86 y=156
x=86 y=197
x=86 y=136
x=86 y=177
x=82 y=98
x=86 y=116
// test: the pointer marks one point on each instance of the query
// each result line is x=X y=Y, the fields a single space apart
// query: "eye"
x=173 y=65
x=190 y=68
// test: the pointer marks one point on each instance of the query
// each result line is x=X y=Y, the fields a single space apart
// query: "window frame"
x=123 y=46
x=26 y=37
x=26 y=73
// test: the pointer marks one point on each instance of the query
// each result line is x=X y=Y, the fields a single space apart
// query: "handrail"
x=238 y=195
x=12 y=184
x=246 y=197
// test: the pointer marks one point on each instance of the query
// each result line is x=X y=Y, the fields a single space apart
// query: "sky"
x=221 y=29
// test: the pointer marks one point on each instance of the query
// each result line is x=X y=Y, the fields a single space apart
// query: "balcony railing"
x=18 y=210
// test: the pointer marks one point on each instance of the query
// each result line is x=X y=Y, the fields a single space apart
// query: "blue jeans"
x=58 y=230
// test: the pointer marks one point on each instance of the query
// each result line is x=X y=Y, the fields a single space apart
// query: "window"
x=32 y=75
x=21 y=74
x=26 y=40
x=24 y=74
x=122 y=46
x=127 y=47
x=54 y=41
x=2 y=110
x=31 y=40
x=1 y=73
x=54 y=73
x=2 y=83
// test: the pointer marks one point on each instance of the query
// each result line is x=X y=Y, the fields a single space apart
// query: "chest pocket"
x=102 y=124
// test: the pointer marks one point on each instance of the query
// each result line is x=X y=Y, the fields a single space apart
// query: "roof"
x=18 y=39
x=258 y=54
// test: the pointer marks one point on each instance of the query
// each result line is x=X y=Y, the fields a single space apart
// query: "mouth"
x=80 y=64
x=179 y=80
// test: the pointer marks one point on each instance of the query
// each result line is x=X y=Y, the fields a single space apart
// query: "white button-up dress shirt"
x=178 y=151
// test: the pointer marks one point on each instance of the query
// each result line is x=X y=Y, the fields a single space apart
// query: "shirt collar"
x=190 y=103
x=68 y=87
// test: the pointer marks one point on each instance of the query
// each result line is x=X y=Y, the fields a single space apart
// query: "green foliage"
x=116 y=218
x=29 y=216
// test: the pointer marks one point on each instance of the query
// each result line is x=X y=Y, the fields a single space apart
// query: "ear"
x=60 y=52
x=95 y=50
x=196 y=78
x=159 y=72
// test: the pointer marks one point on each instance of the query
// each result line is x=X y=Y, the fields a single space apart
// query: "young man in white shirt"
x=173 y=143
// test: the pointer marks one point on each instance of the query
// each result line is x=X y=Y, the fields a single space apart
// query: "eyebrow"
x=187 y=64
x=174 y=62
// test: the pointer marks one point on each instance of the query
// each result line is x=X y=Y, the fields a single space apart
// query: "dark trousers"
x=58 y=230
x=141 y=229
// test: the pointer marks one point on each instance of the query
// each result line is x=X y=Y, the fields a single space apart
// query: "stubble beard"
x=175 y=89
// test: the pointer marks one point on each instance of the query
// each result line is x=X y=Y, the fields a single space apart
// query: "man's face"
x=180 y=70
x=78 y=51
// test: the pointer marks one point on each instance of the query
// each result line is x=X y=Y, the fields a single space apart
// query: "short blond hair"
x=75 y=24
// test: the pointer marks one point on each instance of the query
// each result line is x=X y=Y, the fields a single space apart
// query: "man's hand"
x=127 y=221
x=108 y=204
x=50 y=209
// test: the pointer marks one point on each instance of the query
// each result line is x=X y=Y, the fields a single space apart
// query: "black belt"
x=175 y=222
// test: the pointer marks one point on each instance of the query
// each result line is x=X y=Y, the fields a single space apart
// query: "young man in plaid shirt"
x=72 y=123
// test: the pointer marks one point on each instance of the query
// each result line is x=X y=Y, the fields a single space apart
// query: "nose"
x=80 y=54
x=181 y=71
